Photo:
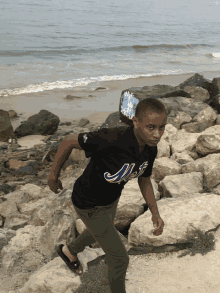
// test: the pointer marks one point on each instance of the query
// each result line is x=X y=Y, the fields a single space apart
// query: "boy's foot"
x=72 y=258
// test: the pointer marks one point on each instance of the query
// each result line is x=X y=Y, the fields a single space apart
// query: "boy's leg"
x=100 y=224
x=85 y=238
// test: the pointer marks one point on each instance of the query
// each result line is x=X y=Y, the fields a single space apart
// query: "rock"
x=207 y=115
x=57 y=276
x=182 y=215
x=15 y=164
x=198 y=80
x=54 y=275
x=207 y=144
x=16 y=221
x=4 y=120
x=216 y=82
x=181 y=185
x=12 y=114
x=20 y=245
x=204 y=119
x=42 y=123
x=194 y=127
x=27 y=170
x=186 y=142
x=114 y=120
x=178 y=118
x=3 y=240
x=5 y=188
x=56 y=231
x=3 y=145
x=100 y=88
x=165 y=167
x=33 y=191
x=29 y=141
x=70 y=97
x=6 y=130
x=182 y=158
x=215 y=103
x=197 y=93
x=155 y=90
x=82 y=122
x=163 y=149
x=176 y=93
x=7 y=208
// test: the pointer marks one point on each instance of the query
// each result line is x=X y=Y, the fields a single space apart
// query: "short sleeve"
x=92 y=142
x=148 y=170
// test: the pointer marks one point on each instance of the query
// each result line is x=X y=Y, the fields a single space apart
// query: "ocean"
x=48 y=45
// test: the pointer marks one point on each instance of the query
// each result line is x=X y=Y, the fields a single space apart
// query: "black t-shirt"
x=114 y=160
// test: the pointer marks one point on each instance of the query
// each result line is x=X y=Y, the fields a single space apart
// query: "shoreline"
x=94 y=105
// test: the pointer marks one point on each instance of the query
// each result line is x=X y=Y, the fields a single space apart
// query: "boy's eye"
x=153 y=127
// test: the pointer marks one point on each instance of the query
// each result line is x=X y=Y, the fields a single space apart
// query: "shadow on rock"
x=202 y=242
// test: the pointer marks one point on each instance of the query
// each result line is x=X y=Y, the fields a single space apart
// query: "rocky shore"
x=185 y=179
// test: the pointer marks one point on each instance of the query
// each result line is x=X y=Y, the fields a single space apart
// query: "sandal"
x=73 y=266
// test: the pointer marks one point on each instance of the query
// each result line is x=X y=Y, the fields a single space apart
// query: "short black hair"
x=149 y=104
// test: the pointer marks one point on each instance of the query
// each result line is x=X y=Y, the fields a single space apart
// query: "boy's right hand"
x=54 y=184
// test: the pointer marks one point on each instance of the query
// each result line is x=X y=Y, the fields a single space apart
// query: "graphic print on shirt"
x=85 y=137
x=125 y=173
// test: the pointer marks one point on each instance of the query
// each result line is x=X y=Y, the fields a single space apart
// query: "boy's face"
x=151 y=129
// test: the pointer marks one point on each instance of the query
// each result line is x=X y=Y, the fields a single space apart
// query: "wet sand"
x=95 y=105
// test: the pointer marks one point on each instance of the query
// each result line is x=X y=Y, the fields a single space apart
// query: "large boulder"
x=181 y=216
x=56 y=277
x=21 y=249
x=43 y=123
x=181 y=185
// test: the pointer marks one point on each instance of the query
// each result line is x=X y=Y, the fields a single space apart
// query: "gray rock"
x=198 y=80
x=43 y=123
x=16 y=221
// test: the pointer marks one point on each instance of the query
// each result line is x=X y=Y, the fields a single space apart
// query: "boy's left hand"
x=158 y=225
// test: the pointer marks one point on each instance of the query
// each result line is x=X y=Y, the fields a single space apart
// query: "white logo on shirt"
x=85 y=138
x=125 y=173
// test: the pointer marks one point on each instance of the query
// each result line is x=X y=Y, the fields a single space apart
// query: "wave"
x=170 y=46
x=215 y=55
x=46 y=86
x=71 y=51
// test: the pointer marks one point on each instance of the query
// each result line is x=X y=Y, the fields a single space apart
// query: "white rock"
x=54 y=277
x=182 y=185
x=32 y=190
x=181 y=216
x=165 y=167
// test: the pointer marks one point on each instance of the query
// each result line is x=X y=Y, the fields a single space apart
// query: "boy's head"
x=149 y=121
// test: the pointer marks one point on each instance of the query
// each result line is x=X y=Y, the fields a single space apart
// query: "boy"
x=117 y=155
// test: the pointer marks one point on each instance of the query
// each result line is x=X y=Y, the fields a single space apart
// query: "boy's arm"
x=147 y=192
x=63 y=153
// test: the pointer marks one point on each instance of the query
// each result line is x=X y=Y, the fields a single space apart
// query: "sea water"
x=67 y=44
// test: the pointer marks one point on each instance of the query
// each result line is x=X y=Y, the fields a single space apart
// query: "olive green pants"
x=100 y=227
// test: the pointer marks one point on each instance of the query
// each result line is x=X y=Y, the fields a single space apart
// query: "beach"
x=94 y=105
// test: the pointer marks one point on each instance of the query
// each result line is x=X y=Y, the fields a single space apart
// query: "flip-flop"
x=73 y=266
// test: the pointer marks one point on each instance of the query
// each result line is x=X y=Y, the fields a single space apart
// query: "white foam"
x=46 y=86
x=217 y=55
